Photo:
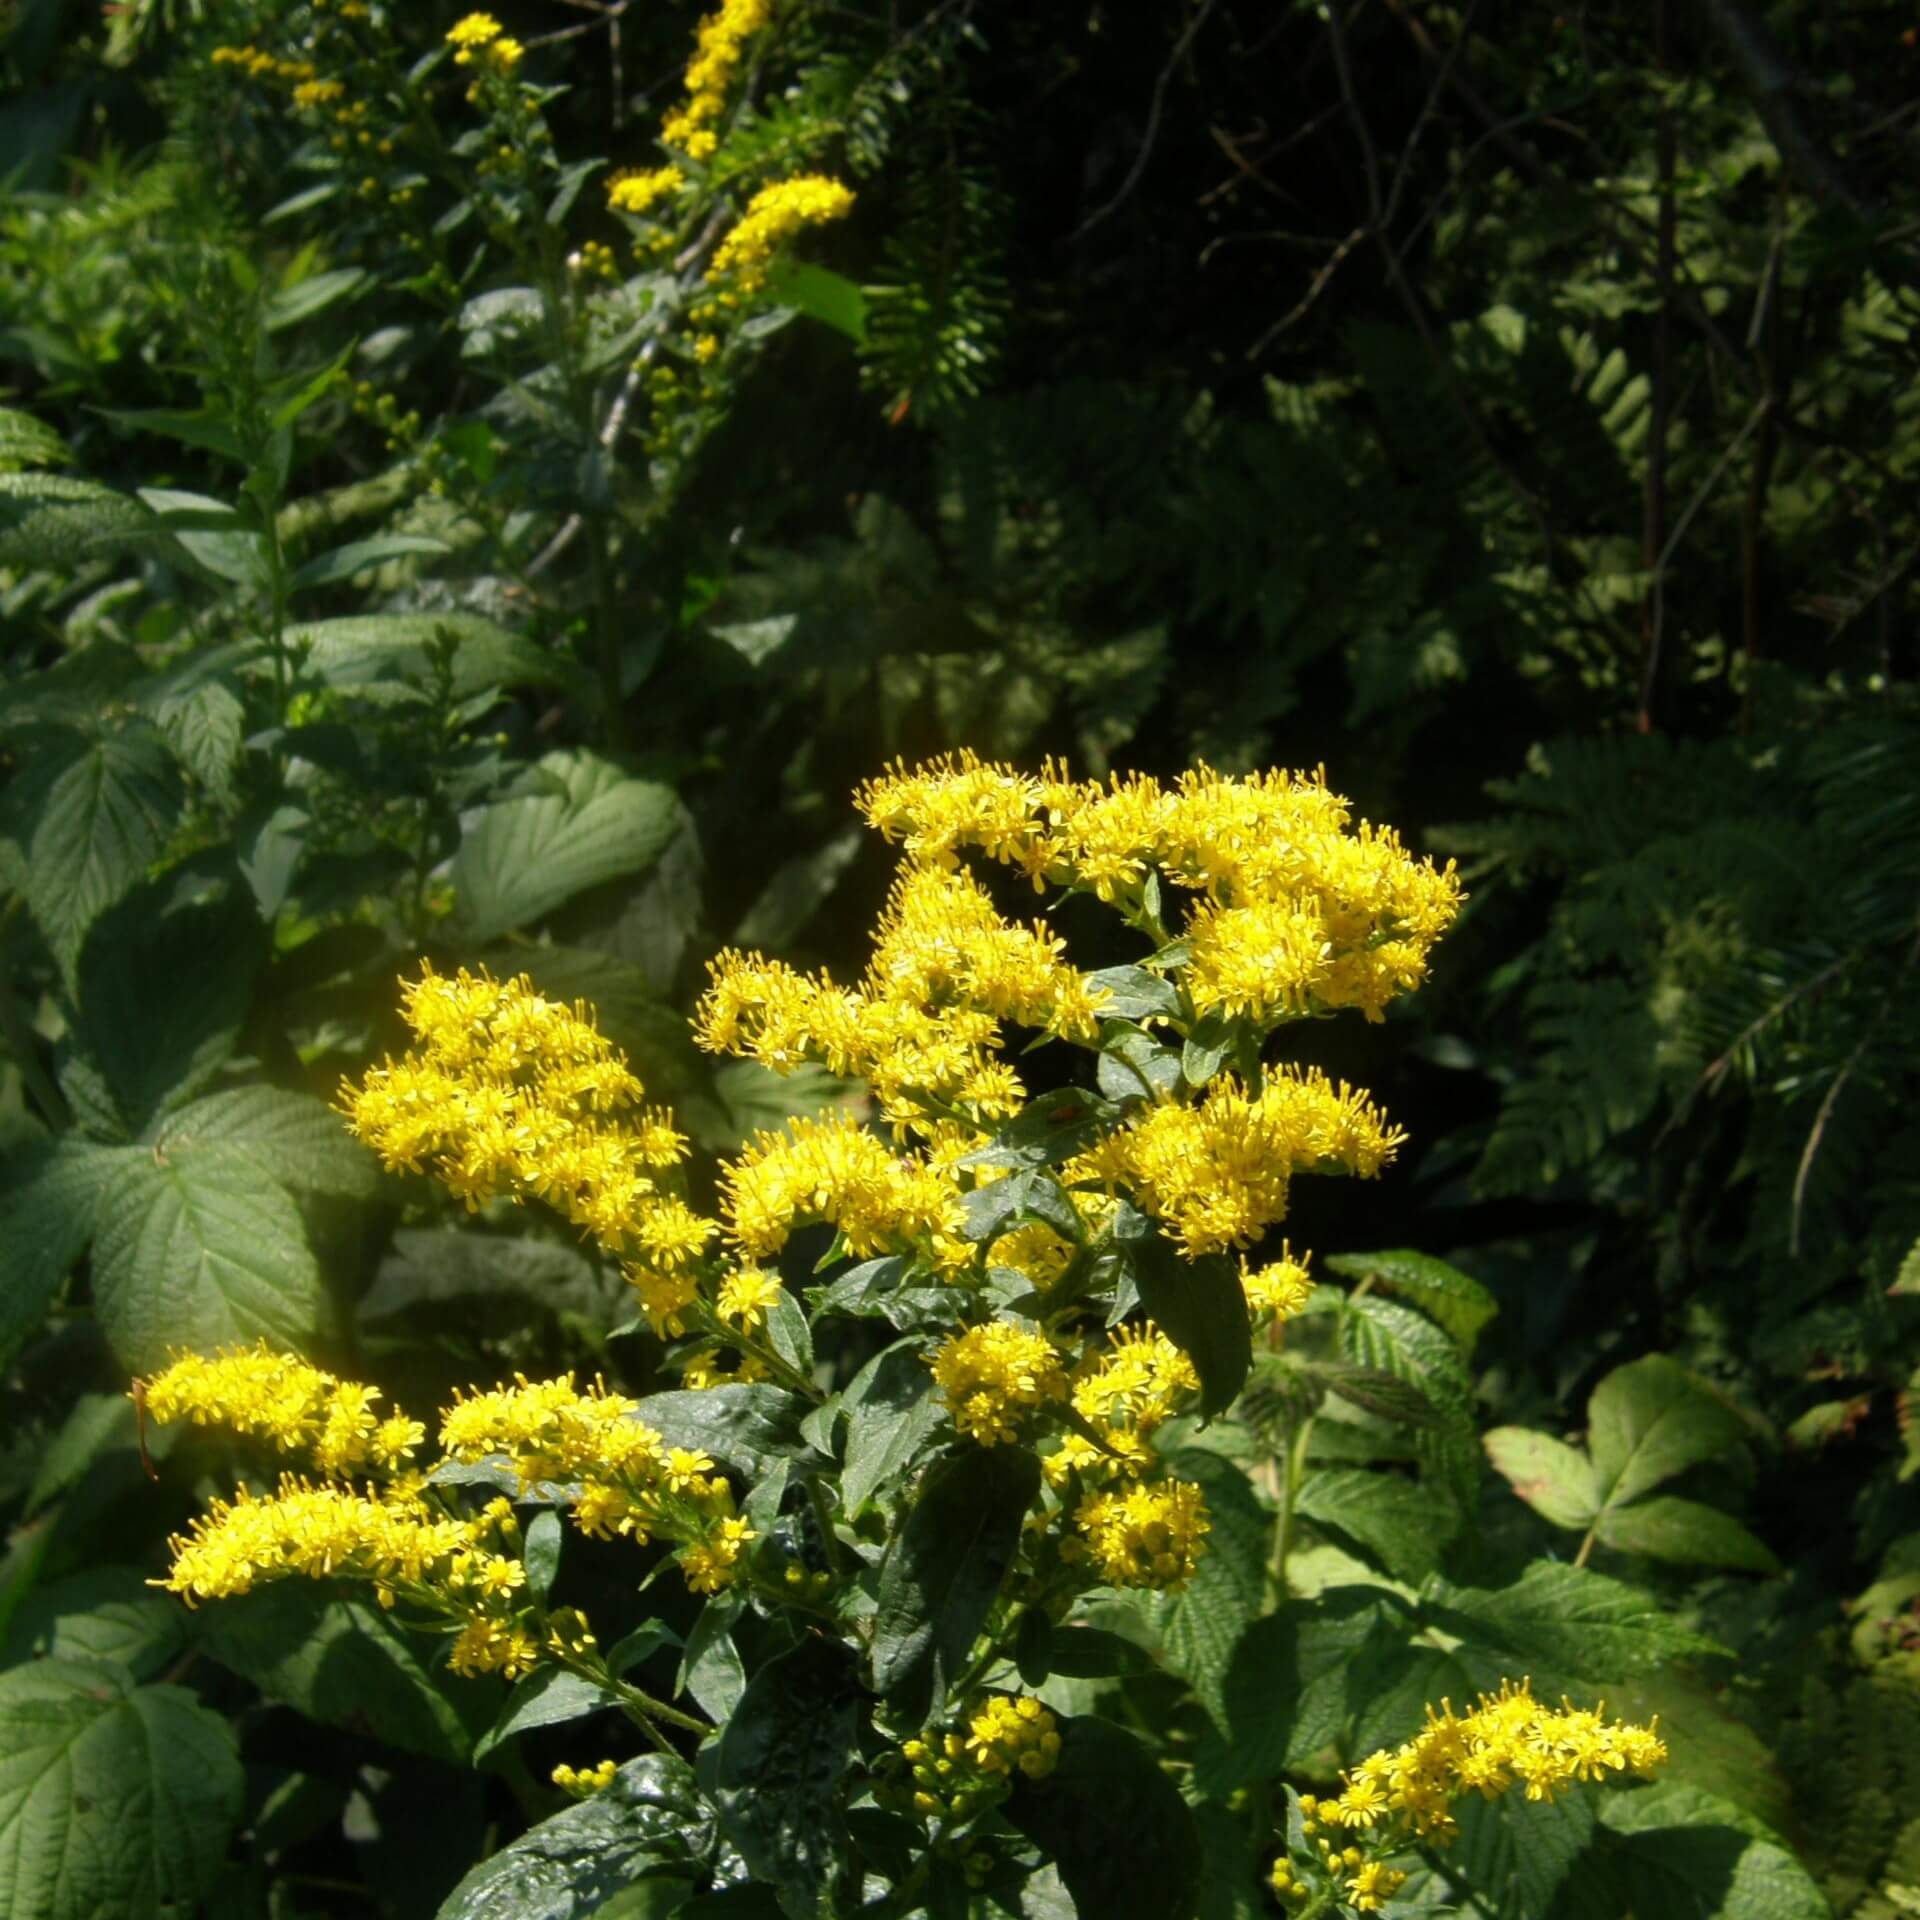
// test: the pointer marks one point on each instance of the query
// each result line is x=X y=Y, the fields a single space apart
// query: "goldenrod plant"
x=1057 y=1256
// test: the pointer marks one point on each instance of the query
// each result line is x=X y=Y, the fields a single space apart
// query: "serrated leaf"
x=1680 y=1851
x=1394 y=1520
x=1455 y=1300
x=1685 y=1532
x=365 y=649
x=520 y=859
x=93 y=820
x=199 y=1253
x=1374 y=1390
x=106 y=1613
x=1516 y=1857
x=1556 y=1480
x=1567 y=1619
x=1201 y=1625
x=1113 y=1824
x=1650 y=1420
x=204 y=729
x=649 y=1820
x=296 y=1140
x=49 y=1201
x=945 y=1569
x=777 y=1773
x=114 y=1799
x=52 y=520
x=162 y=995
x=27 y=442
x=1382 y=1333
x=892 y=1412
x=342 y=1661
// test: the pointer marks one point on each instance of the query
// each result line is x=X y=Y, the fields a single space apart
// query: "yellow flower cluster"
x=295 y=1408
x=1280 y=1289
x=832 y=1169
x=773 y=216
x=1008 y=1734
x=719 y=49
x=631 y=1483
x=1217 y=1172
x=584 y=1782
x=995 y=1376
x=511 y=1093
x=1146 y=1536
x=636 y=192
x=947 y=968
x=1299 y=910
x=478 y=37
x=257 y=65
x=747 y=1295
x=1509 y=1739
x=400 y=1545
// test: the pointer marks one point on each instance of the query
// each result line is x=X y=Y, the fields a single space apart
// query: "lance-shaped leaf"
x=944 y=1572
x=1201 y=1307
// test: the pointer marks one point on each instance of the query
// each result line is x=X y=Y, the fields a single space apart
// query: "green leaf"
x=114 y=1799
x=49 y=1201
x=1685 y=1532
x=359 y=555
x=294 y=1139
x=1114 y=1824
x=96 y=1423
x=748 y=1428
x=162 y=997
x=1201 y=1307
x=1375 y=1391
x=1384 y=1334
x=1568 y=1620
x=212 y=534
x=1516 y=1856
x=199 y=1253
x=1133 y=993
x=435 y=1266
x=547 y=1697
x=540 y=1552
x=1455 y=1300
x=341 y=1660
x=1556 y=1480
x=49 y=520
x=1202 y=1624
x=365 y=649
x=1393 y=1519
x=892 y=1413
x=1650 y=1420
x=1680 y=1851
x=710 y=1665
x=649 y=1821
x=1207 y=1049
x=945 y=1569
x=27 y=442
x=1027 y=1194
x=199 y=427
x=94 y=821
x=523 y=858
x=109 y=1614
x=313 y=295
x=822 y=295
x=777 y=1772
x=204 y=728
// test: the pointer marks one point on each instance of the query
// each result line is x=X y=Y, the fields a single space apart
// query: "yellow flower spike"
x=994 y=1377
x=1148 y=1536
x=773 y=216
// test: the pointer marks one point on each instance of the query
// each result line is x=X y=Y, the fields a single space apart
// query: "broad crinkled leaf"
x=650 y=1820
x=200 y=1252
x=1676 y=1850
x=49 y=1201
x=364 y=649
x=296 y=1140
x=1455 y=1300
x=114 y=1799
x=1202 y=1624
x=1399 y=1523
x=749 y=1428
x=520 y=859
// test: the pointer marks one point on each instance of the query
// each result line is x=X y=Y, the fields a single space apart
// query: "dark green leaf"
x=1207 y=1049
x=1133 y=993
x=212 y=534
x=49 y=1201
x=1680 y=1851
x=777 y=1773
x=540 y=1552
x=710 y=1666
x=201 y=1253
x=1201 y=1307
x=821 y=295
x=1686 y=1532
x=1026 y=1194
x=296 y=1140
x=1398 y=1523
x=1114 y=1825
x=892 y=1412
x=649 y=1821
x=1133 y=1066
x=547 y=1697
x=358 y=555
x=1203 y=1623
x=114 y=1799
x=748 y=1428
x=366 y=649
x=1456 y=1300
x=432 y=1266
x=945 y=1569
x=1384 y=1334
x=1376 y=1391
x=109 y=1614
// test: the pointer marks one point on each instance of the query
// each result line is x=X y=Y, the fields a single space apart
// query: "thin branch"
x=1152 y=133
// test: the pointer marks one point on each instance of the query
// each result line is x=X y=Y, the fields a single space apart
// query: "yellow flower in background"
x=636 y=192
x=719 y=51
x=773 y=216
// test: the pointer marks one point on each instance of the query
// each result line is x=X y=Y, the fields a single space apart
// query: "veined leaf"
x=1456 y=1300
x=892 y=1412
x=1651 y=1420
x=296 y=1140
x=1399 y=1523
x=1686 y=1532
x=1556 y=1480
x=49 y=1202
x=114 y=1799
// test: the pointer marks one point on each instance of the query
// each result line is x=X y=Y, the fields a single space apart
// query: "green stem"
x=1276 y=1581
